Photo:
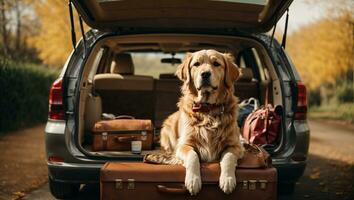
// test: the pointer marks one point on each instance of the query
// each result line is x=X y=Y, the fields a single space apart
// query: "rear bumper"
x=290 y=172
x=74 y=173
x=90 y=173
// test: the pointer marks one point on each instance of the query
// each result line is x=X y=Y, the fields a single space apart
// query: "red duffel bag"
x=263 y=125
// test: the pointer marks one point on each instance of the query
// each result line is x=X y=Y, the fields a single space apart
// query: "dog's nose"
x=205 y=75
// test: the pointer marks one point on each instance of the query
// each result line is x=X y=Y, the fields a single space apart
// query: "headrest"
x=99 y=77
x=246 y=75
x=122 y=64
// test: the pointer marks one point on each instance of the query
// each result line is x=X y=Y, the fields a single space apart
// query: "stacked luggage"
x=256 y=177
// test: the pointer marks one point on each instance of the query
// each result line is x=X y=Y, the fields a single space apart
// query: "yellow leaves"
x=315 y=174
x=54 y=39
x=323 y=50
x=19 y=194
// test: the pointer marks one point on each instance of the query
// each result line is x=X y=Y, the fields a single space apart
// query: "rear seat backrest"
x=167 y=93
x=124 y=93
x=246 y=86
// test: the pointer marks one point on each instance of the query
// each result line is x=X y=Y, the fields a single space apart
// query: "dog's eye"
x=196 y=64
x=216 y=64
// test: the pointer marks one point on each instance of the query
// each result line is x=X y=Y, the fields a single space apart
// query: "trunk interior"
x=124 y=75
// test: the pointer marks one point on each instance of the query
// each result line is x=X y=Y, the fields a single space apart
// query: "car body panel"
x=251 y=16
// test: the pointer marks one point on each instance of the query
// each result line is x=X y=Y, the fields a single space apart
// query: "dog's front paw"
x=193 y=183
x=227 y=183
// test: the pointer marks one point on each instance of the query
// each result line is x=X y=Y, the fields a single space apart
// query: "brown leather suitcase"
x=117 y=134
x=151 y=181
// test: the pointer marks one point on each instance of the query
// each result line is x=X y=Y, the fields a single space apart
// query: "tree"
x=15 y=16
x=323 y=50
x=4 y=30
x=17 y=9
x=54 y=38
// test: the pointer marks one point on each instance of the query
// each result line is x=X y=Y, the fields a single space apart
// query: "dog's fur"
x=190 y=137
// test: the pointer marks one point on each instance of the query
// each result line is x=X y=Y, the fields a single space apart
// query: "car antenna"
x=73 y=34
x=283 y=42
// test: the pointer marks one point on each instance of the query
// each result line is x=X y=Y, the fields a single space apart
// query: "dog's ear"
x=232 y=72
x=183 y=69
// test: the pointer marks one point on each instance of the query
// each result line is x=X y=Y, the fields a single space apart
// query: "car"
x=99 y=77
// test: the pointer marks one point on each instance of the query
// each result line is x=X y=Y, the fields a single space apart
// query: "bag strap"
x=266 y=96
x=127 y=138
x=255 y=103
x=248 y=127
x=266 y=118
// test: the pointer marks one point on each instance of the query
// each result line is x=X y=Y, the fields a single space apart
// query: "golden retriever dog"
x=204 y=128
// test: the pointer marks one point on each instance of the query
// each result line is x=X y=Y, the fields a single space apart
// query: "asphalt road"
x=329 y=174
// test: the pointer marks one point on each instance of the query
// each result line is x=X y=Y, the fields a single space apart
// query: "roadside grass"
x=24 y=90
x=334 y=111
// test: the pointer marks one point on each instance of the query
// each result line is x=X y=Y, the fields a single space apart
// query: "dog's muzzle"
x=205 y=81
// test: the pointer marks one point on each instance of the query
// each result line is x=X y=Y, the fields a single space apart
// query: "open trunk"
x=242 y=15
x=151 y=91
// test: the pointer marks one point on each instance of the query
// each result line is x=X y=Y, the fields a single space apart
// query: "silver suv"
x=125 y=65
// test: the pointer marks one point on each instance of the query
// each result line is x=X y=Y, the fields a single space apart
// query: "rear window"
x=150 y=64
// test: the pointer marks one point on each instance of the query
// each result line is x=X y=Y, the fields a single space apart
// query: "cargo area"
x=134 y=76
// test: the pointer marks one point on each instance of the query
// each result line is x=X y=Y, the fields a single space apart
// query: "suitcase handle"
x=126 y=138
x=124 y=117
x=164 y=189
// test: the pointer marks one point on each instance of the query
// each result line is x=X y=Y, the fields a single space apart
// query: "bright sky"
x=300 y=13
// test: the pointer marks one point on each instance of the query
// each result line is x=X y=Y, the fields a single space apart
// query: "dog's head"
x=208 y=73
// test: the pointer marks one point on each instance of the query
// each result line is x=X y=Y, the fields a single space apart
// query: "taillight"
x=301 y=109
x=55 y=159
x=56 y=108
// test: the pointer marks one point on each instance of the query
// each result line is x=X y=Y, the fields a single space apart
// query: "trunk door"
x=243 y=15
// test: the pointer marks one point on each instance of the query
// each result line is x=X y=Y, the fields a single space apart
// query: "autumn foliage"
x=54 y=39
x=323 y=50
x=32 y=30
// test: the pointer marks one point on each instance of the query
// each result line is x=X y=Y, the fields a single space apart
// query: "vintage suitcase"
x=117 y=134
x=152 y=181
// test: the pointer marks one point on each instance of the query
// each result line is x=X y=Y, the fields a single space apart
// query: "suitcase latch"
x=143 y=135
x=119 y=184
x=104 y=136
x=263 y=184
x=252 y=184
x=245 y=185
x=131 y=184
